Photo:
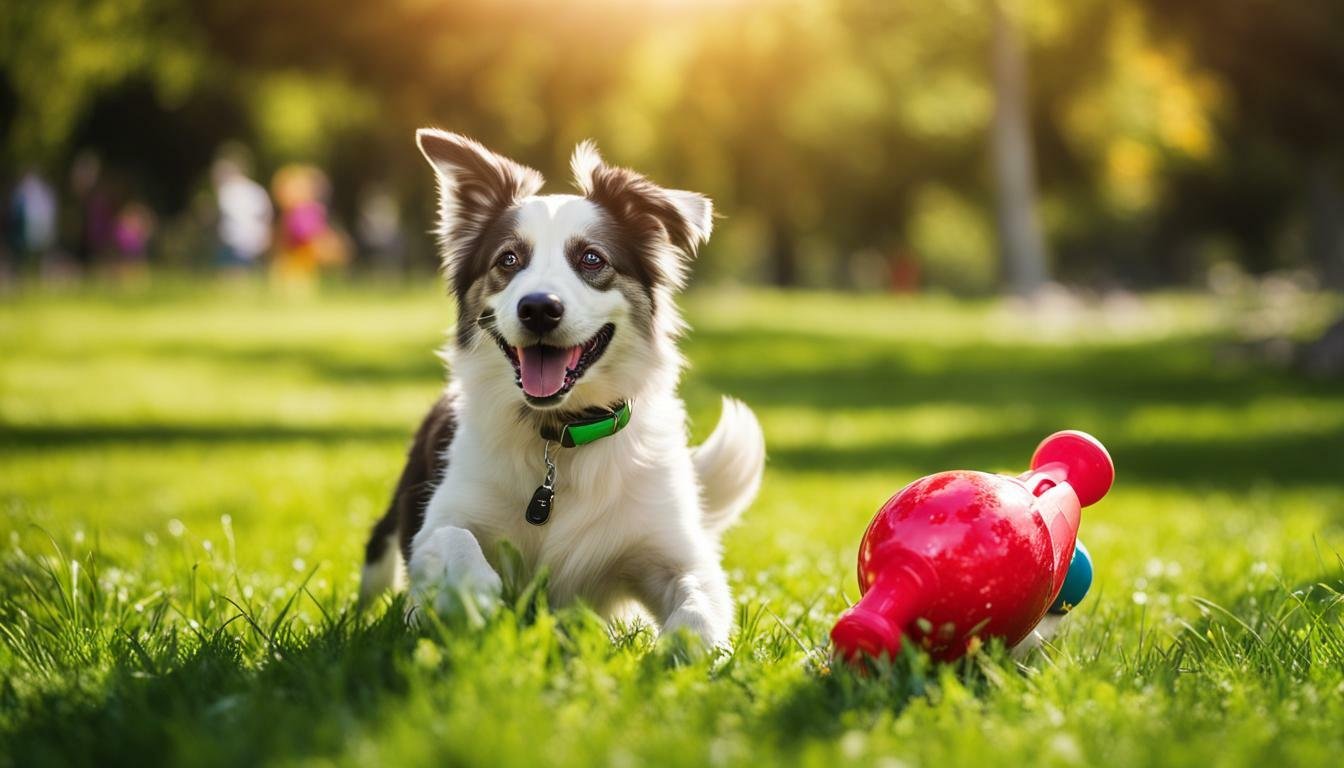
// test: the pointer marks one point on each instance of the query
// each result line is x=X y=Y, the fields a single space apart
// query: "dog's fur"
x=638 y=515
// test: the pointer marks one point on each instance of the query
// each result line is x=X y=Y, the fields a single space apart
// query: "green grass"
x=187 y=475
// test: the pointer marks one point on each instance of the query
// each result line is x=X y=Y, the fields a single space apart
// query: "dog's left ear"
x=684 y=219
x=475 y=186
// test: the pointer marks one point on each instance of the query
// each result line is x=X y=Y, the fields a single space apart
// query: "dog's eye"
x=507 y=261
x=592 y=261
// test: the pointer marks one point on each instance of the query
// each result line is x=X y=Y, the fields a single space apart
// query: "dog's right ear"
x=679 y=218
x=475 y=186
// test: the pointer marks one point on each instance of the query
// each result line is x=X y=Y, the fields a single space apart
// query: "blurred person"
x=379 y=229
x=6 y=258
x=244 y=214
x=131 y=232
x=31 y=221
x=93 y=210
x=307 y=241
x=904 y=271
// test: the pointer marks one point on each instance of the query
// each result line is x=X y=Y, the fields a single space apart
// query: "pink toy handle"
x=1076 y=458
x=895 y=598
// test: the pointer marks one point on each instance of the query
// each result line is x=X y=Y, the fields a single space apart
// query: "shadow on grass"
x=392 y=363
x=1285 y=461
x=61 y=436
x=224 y=689
x=872 y=374
x=851 y=698
x=1095 y=388
x=209 y=708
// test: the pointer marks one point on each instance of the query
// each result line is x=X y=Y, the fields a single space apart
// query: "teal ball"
x=1076 y=583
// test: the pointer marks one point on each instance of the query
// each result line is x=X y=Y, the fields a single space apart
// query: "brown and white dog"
x=565 y=309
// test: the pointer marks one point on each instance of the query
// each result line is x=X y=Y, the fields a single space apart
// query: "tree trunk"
x=783 y=256
x=1325 y=238
x=1021 y=246
x=1325 y=249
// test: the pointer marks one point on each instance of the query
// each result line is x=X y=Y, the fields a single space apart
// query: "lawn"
x=187 y=476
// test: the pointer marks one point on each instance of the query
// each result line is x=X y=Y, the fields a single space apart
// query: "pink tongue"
x=543 y=368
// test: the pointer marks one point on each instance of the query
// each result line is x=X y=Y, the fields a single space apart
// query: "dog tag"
x=539 y=510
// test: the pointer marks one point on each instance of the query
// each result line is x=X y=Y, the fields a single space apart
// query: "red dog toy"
x=965 y=554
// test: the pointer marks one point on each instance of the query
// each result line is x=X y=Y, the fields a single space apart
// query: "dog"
x=561 y=431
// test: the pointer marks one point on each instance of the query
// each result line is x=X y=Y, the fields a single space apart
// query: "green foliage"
x=956 y=241
x=822 y=127
x=58 y=55
x=186 y=478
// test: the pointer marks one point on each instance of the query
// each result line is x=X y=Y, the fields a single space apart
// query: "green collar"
x=593 y=426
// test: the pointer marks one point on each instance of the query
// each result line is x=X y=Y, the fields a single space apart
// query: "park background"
x=947 y=229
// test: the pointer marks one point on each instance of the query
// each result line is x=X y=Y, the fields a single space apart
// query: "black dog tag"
x=539 y=510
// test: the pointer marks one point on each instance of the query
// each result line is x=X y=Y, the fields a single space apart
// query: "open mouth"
x=545 y=372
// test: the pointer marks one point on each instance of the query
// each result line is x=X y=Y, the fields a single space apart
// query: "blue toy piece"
x=1076 y=582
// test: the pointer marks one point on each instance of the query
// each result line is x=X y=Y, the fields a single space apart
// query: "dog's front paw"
x=451 y=577
x=687 y=625
x=679 y=648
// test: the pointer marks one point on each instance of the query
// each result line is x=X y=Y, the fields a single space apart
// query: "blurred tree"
x=1283 y=64
x=1020 y=241
x=1288 y=95
x=57 y=56
x=1126 y=137
x=837 y=134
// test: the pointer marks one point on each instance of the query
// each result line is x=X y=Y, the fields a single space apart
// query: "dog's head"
x=566 y=295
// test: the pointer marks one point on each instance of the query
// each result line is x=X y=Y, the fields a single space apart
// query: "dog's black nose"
x=540 y=312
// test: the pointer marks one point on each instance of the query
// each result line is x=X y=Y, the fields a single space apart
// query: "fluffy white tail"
x=729 y=465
